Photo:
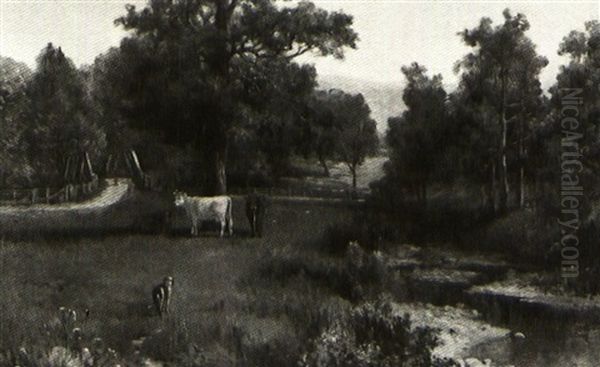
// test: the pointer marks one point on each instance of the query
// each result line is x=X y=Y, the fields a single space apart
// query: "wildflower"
x=87 y=358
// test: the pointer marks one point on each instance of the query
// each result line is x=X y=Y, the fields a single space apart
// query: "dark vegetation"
x=484 y=165
x=213 y=86
x=217 y=90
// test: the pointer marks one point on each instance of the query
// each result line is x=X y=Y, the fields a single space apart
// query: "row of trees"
x=214 y=79
x=497 y=130
x=47 y=118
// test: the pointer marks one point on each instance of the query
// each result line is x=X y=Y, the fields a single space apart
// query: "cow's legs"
x=222 y=228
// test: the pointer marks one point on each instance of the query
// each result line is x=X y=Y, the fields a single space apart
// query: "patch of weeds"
x=372 y=335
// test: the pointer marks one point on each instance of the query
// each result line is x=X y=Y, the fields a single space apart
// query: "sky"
x=392 y=32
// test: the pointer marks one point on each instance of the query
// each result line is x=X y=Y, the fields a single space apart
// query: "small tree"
x=320 y=129
x=505 y=61
x=357 y=138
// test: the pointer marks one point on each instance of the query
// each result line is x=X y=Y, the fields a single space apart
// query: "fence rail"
x=49 y=195
x=327 y=193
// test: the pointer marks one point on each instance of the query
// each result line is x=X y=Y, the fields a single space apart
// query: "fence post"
x=47 y=195
x=34 y=195
x=14 y=194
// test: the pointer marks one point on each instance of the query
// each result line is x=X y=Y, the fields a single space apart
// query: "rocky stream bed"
x=490 y=313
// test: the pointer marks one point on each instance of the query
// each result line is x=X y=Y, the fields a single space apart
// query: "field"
x=224 y=307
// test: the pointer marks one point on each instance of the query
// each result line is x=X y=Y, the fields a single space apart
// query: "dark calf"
x=255 y=211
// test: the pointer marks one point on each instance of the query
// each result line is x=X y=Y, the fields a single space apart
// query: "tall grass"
x=237 y=301
x=219 y=317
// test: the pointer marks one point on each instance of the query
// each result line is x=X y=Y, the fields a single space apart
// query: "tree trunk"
x=324 y=165
x=220 y=187
x=521 y=137
x=216 y=179
x=504 y=190
x=492 y=188
x=521 y=186
x=353 y=171
x=217 y=131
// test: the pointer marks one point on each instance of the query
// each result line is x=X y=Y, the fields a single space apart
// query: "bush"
x=373 y=335
x=337 y=237
x=354 y=276
x=519 y=235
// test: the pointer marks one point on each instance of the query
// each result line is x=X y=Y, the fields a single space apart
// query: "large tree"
x=503 y=66
x=195 y=56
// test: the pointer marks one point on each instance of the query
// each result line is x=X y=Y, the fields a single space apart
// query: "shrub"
x=337 y=237
x=520 y=235
x=61 y=343
x=373 y=335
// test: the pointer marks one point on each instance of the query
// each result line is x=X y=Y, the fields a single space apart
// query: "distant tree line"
x=47 y=118
x=202 y=90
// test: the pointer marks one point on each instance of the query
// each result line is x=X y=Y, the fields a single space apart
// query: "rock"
x=150 y=363
x=137 y=343
x=517 y=335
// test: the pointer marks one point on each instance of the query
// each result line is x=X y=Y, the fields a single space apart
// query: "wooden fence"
x=309 y=192
x=151 y=183
x=50 y=195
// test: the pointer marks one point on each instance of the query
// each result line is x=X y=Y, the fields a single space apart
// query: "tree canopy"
x=415 y=139
x=198 y=63
x=14 y=167
x=500 y=79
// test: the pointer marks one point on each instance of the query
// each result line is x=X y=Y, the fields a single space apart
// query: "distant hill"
x=384 y=99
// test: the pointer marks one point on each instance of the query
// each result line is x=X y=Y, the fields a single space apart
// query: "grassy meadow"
x=229 y=306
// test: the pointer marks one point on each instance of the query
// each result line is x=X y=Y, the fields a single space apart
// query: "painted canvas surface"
x=299 y=183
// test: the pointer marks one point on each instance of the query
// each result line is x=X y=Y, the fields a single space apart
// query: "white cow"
x=206 y=208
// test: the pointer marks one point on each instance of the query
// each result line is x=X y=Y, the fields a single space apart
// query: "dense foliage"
x=502 y=155
x=214 y=68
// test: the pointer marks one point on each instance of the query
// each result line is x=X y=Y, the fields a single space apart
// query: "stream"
x=530 y=328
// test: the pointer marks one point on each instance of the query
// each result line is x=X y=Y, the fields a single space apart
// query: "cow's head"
x=179 y=197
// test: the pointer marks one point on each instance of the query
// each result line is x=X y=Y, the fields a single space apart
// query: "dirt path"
x=113 y=192
x=93 y=214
